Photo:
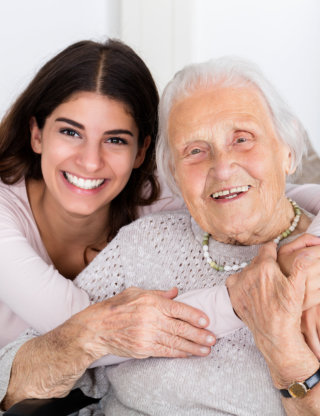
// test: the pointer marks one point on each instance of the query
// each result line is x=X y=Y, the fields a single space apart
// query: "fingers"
x=185 y=313
x=169 y=294
x=186 y=331
x=172 y=345
x=303 y=241
x=162 y=300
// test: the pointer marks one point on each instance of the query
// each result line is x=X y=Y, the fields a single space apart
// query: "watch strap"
x=313 y=380
x=285 y=393
x=309 y=383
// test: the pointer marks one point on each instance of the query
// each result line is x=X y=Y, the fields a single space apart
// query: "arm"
x=135 y=323
x=29 y=286
x=215 y=303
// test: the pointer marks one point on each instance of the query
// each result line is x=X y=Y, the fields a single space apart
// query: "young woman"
x=76 y=164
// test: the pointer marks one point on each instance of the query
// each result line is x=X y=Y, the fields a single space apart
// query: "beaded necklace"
x=235 y=267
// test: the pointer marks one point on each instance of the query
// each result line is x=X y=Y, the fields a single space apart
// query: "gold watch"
x=299 y=389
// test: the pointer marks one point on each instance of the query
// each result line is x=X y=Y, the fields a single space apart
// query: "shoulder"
x=14 y=199
x=15 y=210
x=170 y=221
x=16 y=194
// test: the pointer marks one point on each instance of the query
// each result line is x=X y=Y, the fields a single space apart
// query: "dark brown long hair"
x=112 y=69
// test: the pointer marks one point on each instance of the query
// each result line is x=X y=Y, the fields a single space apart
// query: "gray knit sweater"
x=158 y=252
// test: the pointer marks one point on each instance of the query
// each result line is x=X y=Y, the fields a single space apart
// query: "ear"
x=142 y=152
x=289 y=162
x=36 y=136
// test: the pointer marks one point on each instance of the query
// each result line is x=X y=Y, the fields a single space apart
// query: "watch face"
x=298 y=390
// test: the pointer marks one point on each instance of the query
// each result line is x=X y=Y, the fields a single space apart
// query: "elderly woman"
x=227 y=144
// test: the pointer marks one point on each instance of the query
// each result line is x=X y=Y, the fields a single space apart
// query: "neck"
x=59 y=226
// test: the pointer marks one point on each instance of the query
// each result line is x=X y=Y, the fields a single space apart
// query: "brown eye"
x=116 y=140
x=241 y=140
x=70 y=132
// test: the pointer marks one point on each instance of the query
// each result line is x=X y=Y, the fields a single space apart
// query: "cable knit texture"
x=158 y=252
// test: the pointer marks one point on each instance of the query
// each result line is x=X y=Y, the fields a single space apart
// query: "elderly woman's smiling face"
x=229 y=164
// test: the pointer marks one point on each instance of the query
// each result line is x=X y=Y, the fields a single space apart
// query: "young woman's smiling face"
x=88 y=147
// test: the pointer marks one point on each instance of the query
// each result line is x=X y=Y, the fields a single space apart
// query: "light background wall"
x=282 y=36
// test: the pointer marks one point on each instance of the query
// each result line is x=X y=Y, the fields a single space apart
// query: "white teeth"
x=231 y=191
x=83 y=183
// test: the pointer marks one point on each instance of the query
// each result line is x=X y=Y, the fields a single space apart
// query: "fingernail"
x=210 y=339
x=205 y=350
x=202 y=322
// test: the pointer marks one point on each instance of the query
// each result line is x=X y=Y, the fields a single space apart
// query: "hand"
x=271 y=306
x=288 y=252
x=140 y=323
x=310 y=327
x=306 y=250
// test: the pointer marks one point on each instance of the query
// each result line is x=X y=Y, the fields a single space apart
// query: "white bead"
x=206 y=254
x=209 y=260
x=227 y=268
x=205 y=248
x=244 y=264
x=292 y=228
x=235 y=267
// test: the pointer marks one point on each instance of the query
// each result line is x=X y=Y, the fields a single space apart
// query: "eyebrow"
x=81 y=126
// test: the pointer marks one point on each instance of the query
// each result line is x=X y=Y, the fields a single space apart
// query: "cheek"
x=191 y=180
x=122 y=165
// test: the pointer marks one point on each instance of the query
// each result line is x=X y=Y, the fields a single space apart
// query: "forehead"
x=211 y=106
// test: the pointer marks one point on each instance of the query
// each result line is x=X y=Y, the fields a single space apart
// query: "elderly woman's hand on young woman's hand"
x=142 y=323
x=271 y=306
x=304 y=252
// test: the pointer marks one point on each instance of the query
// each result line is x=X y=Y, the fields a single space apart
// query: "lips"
x=230 y=193
x=83 y=183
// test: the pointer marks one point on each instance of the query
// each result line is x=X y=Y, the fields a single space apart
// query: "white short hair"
x=226 y=71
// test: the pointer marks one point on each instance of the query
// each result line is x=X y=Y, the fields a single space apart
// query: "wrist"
x=73 y=342
x=293 y=366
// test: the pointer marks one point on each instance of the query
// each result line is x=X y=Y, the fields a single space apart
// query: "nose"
x=90 y=157
x=223 y=166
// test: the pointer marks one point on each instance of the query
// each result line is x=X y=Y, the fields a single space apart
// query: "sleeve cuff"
x=215 y=303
